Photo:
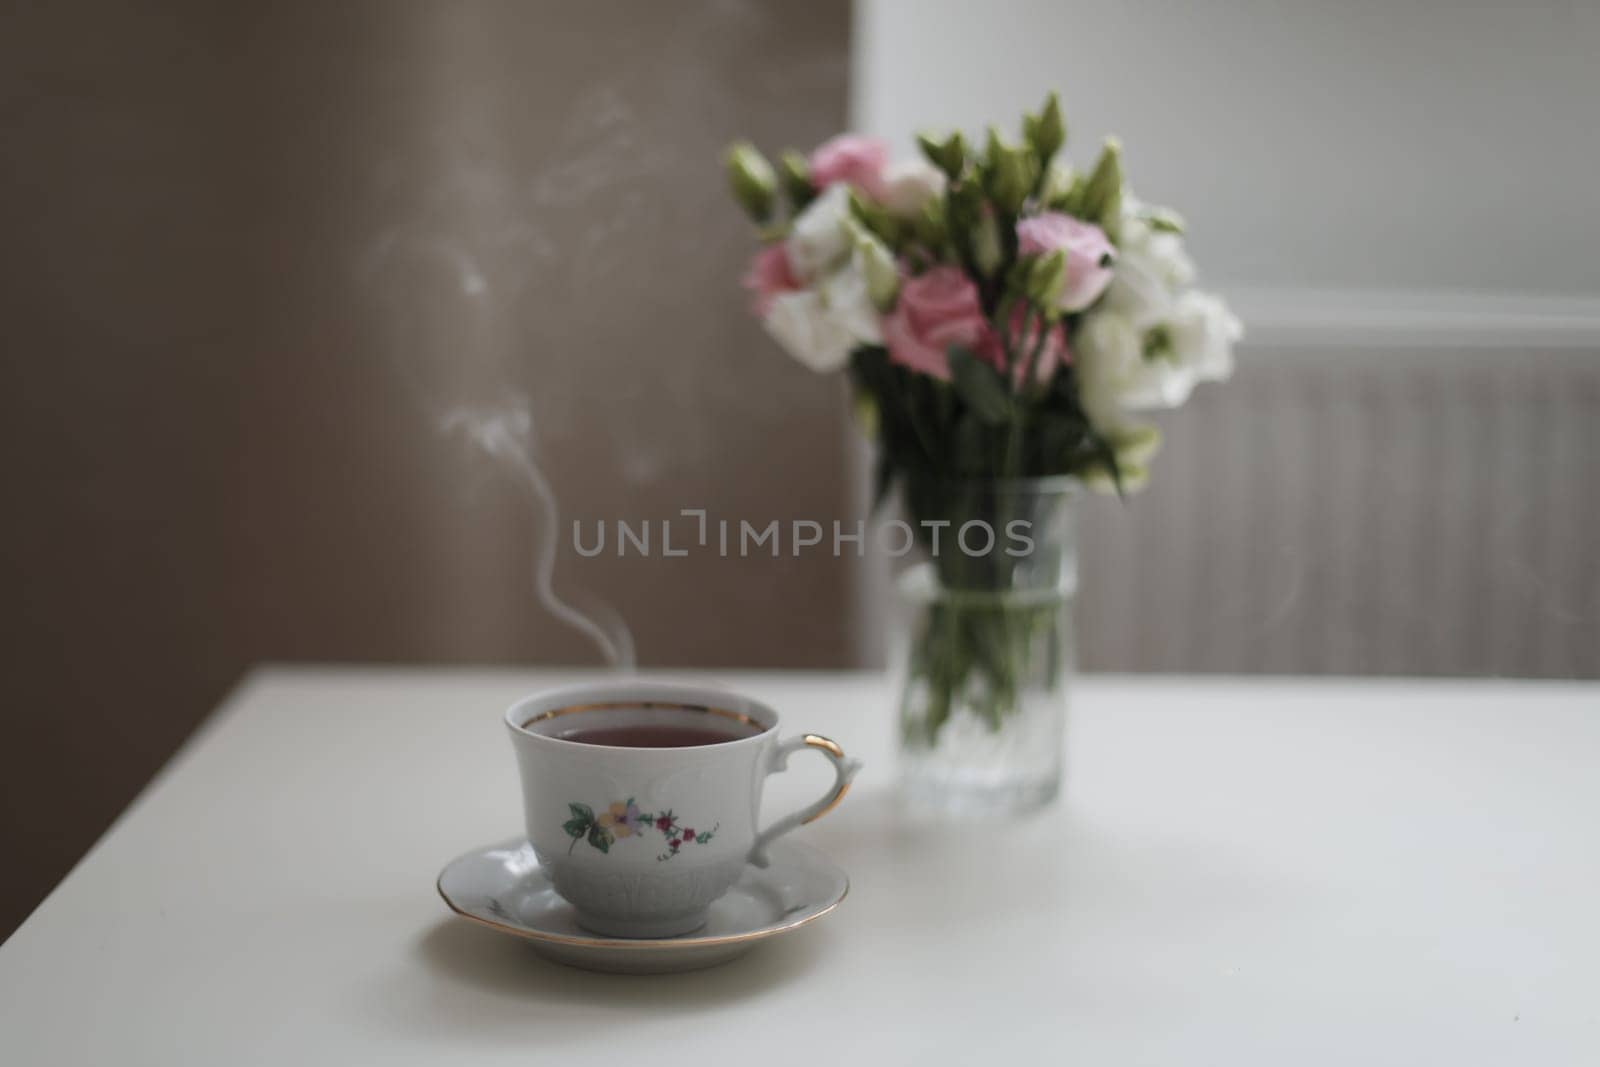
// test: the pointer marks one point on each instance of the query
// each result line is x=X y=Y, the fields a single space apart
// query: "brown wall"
x=228 y=339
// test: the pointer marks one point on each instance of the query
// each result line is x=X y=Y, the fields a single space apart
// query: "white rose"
x=802 y=324
x=818 y=239
x=1116 y=375
x=1202 y=333
x=1151 y=267
x=1162 y=250
x=909 y=185
x=1168 y=259
x=848 y=300
x=1105 y=347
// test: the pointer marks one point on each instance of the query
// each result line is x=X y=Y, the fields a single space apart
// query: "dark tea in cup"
x=650 y=735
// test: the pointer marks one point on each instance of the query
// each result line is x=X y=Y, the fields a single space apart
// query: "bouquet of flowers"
x=1002 y=315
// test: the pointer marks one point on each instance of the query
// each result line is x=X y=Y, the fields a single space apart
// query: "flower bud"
x=1136 y=444
x=752 y=180
x=1102 y=197
x=874 y=217
x=877 y=266
x=986 y=250
x=1059 y=180
x=1047 y=278
x=796 y=175
x=1133 y=445
x=1009 y=172
x=1047 y=131
x=949 y=155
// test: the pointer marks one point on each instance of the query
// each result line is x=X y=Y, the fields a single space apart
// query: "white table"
x=1242 y=872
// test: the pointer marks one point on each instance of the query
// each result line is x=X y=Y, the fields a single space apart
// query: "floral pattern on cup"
x=624 y=819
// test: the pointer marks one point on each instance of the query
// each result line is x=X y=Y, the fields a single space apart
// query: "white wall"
x=1424 y=145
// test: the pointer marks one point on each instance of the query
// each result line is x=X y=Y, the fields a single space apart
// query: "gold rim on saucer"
x=664 y=943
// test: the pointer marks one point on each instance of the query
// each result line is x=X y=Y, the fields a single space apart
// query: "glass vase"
x=986 y=650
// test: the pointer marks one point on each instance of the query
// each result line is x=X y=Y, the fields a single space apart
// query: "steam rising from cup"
x=431 y=285
x=507 y=436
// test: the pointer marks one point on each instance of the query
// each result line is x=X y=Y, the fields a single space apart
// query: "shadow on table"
x=483 y=984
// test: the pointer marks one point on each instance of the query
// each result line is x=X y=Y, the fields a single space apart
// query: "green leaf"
x=1108 y=455
x=600 y=837
x=582 y=819
x=980 y=386
x=1163 y=219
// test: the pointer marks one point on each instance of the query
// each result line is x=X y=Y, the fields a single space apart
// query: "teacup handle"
x=844 y=769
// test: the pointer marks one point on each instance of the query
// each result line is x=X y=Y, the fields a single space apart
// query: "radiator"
x=1370 y=509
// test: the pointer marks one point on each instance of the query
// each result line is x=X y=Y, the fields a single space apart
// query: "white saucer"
x=502 y=887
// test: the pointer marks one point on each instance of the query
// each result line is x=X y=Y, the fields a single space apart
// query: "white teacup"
x=642 y=838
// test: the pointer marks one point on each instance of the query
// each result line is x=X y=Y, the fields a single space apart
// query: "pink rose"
x=1089 y=254
x=851 y=158
x=1053 y=353
x=936 y=310
x=768 y=276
